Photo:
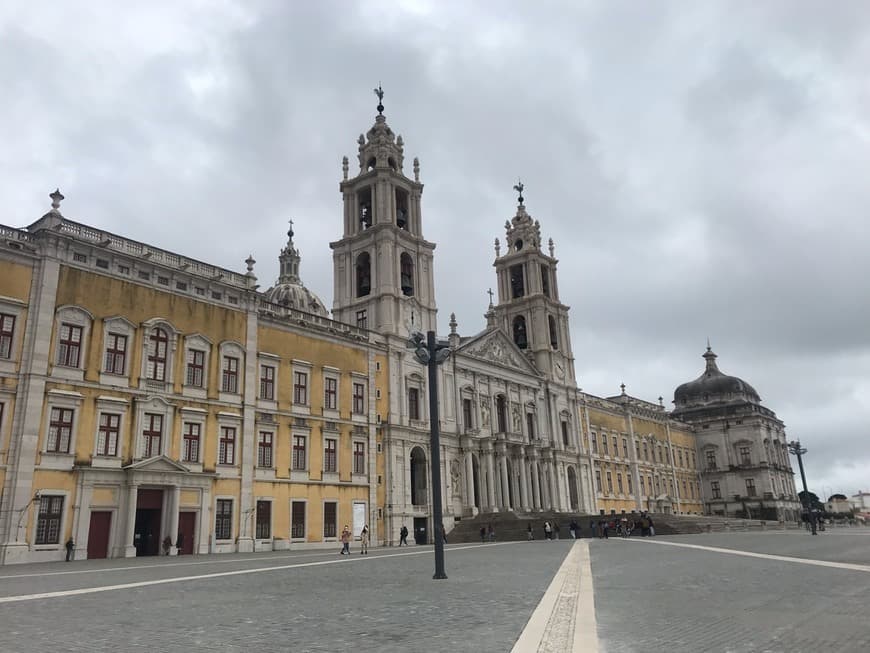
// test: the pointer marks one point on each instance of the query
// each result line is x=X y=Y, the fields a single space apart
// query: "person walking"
x=491 y=532
x=345 y=541
x=556 y=529
x=482 y=534
x=548 y=531
x=403 y=536
x=364 y=541
x=572 y=528
x=529 y=534
x=70 y=547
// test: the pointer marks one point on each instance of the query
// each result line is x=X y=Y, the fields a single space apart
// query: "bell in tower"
x=382 y=261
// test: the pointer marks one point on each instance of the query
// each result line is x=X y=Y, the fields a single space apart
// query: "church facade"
x=153 y=403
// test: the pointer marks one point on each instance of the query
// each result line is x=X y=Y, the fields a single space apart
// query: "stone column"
x=490 y=484
x=505 y=490
x=469 y=478
x=554 y=487
x=129 y=547
x=524 y=489
x=174 y=503
x=536 y=485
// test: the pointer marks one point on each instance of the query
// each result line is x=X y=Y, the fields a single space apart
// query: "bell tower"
x=529 y=309
x=382 y=265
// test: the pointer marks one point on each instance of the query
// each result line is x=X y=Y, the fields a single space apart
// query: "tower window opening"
x=391 y=162
x=364 y=201
x=501 y=413
x=545 y=280
x=363 y=274
x=520 y=337
x=554 y=340
x=518 y=283
x=401 y=209
x=371 y=164
x=407 y=274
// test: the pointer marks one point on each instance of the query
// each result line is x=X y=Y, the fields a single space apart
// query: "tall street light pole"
x=432 y=353
x=795 y=448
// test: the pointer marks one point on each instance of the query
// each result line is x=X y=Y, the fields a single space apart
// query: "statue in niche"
x=517 y=416
x=484 y=412
x=456 y=477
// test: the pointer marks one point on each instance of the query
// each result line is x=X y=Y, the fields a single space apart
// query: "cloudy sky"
x=702 y=167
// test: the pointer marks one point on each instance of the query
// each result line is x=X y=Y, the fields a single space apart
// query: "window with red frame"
x=107 y=435
x=7 y=330
x=264 y=449
x=190 y=442
x=359 y=458
x=158 y=346
x=152 y=435
x=267 y=382
x=300 y=388
x=227 y=446
x=330 y=455
x=230 y=377
x=59 y=430
x=299 y=445
x=330 y=393
x=195 y=368
x=69 y=345
x=359 y=398
x=116 y=353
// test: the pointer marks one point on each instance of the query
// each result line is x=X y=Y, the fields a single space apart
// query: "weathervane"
x=290 y=230
x=380 y=93
x=519 y=188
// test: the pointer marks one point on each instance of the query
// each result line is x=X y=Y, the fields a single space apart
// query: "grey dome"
x=295 y=295
x=714 y=387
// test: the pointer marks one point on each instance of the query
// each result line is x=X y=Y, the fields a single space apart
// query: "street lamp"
x=431 y=353
x=795 y=448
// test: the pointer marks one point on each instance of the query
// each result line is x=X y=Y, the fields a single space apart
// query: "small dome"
x=713 y=387
x=295 y=295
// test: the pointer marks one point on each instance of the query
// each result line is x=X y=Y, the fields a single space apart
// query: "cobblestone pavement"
x=651 y=597
x=383 y=602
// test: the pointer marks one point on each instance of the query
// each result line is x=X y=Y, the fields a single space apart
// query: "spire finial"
x=453 y=323
x=552 y=249
x=518 y=187
x=708 y=344
x=380 y=93
x=622 y=387
x=56 y=199
x=490 y=293
x=416 y=169
x=344 y=167
x=250 y=263
x=290 y=230
x=497 y=248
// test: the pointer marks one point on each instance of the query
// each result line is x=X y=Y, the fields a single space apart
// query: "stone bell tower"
x=382 y=265
x=528 y=309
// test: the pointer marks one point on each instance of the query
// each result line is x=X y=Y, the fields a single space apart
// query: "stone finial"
x=56 y=199
x=622 y=387
x=661 y=401
x=250 y=263
x=552 y=249
x=416 y=169
x=497 y=248
x=361 y=141
x=453 y=323
x=400 y=142
x=344 y=167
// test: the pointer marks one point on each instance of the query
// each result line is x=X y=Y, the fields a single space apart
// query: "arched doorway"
x=573 y=496
x=418 y=477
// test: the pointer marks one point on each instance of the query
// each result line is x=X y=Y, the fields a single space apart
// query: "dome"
x=713 y=387
x=289 y=291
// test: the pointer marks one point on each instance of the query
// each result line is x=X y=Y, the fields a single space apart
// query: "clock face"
x=560 y=370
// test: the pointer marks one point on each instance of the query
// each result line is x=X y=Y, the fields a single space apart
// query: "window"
x=564 y=433
x=637 y=449
x=649 y=483
x=609 y=483
x=660 y=453
x=554 y=338
x=363 y=274
x=520 y=337
x=628 y=480
x=545 y=280
x=658 y=486
x=625 y=449
x=745 y=458
x=693 y=460
x=297 y=519
x=330 y=455
x=711 y=460
x=107 y=435
x=195 y=367
x=501 y=413
x=158 y=344
x=299 y=445
x=530 y=425
x=264 y=520
x=330 y=393
x=598 y=480
x=414 y=403
x=48 y=520
x=359 y=458
x=267 y=382
x=362 y=319
x=615 y=446
x=685 y=489
x=190 y=442
x=60 y=427
x=680 y=457
x=152 y=435
x=330 y=517
x=359 y=398
x=227 y=446
x=116 y=353
x=642 y=486
x=619 y=483
x=69 y=346
x=604 y=445
x=406 y=265
x=223 y=520
x=230 y=375
x=714 y=490
x=594 y=443
x=264 y=449
x=300 y=388
x=7 y=330
x=645 y=452
x=517 y=281
x=750 y=487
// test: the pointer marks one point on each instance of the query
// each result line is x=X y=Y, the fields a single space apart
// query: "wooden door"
x=186 y=532
x=98 y=534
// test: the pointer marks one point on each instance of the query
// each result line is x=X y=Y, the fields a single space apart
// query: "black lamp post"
x=794 y=447
x=432 y=353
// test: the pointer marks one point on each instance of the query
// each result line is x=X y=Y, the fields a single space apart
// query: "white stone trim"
x=17 y=309
x=121 y=326
x=193 y=416
x=158 y=406
x=60 y=399
x=232 y=349
x=172 y=344
x=196 y=342
x=268 y=360
x=115 y=406
x=79 y=317
x=334 y=374
x=234 y=420
x=305 y=367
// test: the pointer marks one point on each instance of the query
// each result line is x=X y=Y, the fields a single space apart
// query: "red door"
x=186 y=527
x=98 y=535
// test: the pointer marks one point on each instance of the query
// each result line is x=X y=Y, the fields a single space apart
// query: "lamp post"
x=431 y=353
x=795 y=448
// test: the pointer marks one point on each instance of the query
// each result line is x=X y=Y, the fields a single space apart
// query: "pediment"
x=494 y=346
x=157 y=464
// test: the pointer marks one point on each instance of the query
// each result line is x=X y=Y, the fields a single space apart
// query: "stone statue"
x=484 y=412
x=517 y=418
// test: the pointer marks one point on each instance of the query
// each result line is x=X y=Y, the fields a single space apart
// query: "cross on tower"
x=490 y=293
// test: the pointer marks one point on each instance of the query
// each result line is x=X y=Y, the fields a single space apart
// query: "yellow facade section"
x=16 y=280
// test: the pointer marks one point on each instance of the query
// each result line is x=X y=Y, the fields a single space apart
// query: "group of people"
x=347 y=537
x=487 y=534
x=622 y=527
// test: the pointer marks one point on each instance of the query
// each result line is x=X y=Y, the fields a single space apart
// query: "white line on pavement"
x=752 y=554
x=219 y=574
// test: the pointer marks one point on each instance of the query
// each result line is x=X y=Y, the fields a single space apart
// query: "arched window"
x=157 y=354
x=520 y=337
x=501 y=413
x=363 y=274
x=407 y=274
x=554 y=339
